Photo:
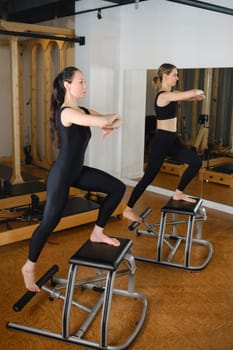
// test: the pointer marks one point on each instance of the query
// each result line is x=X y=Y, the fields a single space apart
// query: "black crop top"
x=166 y=112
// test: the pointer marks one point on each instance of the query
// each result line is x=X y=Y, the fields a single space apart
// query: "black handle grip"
x=132 y=226
x=19 y=305
x=143 y=215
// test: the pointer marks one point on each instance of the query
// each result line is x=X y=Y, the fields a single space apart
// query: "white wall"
x=99 y=61
x=158 y=31
x=162 y=31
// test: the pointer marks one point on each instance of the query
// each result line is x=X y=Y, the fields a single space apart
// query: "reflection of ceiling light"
x=136 y=4
x=99 y=15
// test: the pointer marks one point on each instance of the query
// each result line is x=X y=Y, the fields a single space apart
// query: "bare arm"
x=189 y=95
x=117 y=121
x=77 y=116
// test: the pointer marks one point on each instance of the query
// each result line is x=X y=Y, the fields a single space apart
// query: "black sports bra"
x=166 y=112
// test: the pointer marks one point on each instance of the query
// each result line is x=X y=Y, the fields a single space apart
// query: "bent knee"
x=122 y=188
x=119 y=188
x=198 y=164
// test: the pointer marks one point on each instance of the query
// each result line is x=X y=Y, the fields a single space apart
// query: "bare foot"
x=28 y=271
x=97 y=236
x=131 y=215
x=180 y=196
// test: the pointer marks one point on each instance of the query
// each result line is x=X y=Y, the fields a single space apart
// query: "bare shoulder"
x=165 y=97
x=71 y=115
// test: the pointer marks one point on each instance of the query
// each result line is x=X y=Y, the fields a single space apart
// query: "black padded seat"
x=226 y=168
x=21 y=189
x=27 y=188
x=182 y=207
x=100 y=255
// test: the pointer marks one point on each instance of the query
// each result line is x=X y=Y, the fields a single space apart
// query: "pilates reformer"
x=106 y=260
x=181 y=212
x=28 y=209
x=220 y=173
x=33 y=211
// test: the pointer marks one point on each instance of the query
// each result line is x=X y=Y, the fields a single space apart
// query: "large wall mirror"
x=207 y=126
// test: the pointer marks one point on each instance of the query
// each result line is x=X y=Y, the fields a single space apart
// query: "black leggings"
x=90 y=179
x=165 y=143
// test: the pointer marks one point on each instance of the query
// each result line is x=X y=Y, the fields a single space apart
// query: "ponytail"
x=57 y=99
x=156 y=83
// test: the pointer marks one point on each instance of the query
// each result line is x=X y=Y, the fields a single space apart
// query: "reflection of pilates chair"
x=103 y=258
x=189 y=212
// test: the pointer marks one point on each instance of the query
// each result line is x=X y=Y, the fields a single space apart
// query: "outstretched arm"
x=77 y=116
x=189 y=95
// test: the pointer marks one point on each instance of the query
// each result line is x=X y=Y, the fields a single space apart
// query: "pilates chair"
x=181 y=212
x=106 y=260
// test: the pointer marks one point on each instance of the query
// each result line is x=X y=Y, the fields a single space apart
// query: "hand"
x=106 y=131
x=117 y=123
x=199 y=92
x=200 y=95
x=112 y=121
x=200 y=98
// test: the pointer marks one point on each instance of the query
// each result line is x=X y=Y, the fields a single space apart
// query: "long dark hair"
x=57 y=99
x=164 y=68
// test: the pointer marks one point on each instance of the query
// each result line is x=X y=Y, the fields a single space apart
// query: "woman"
x=70 y=128
x=164 y=142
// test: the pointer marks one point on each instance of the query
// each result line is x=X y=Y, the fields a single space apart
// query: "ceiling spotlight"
x=99 y=14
